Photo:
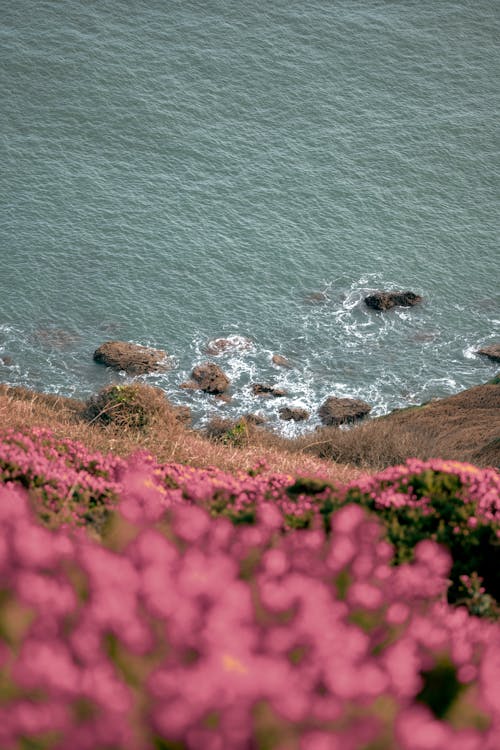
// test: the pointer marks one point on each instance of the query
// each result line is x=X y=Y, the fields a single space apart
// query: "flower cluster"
x=180 y=630
x=68 y=483
x=454 y=504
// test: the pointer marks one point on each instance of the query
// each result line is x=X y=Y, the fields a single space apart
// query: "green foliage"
x=437 y=510
x=307 y=486
x=237 y=434
x=441 y=687
x=302 y=521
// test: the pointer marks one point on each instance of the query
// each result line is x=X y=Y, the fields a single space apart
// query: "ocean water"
x=173 y=171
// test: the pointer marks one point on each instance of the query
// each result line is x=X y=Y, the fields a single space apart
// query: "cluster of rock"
x=208 y=377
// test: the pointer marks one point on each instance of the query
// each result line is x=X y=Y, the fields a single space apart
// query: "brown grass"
x=23 y=409
x=463 y=427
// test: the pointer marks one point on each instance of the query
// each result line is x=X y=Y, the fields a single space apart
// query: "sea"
x=177 y=171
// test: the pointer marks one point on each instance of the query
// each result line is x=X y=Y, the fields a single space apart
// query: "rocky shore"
x=208 y=379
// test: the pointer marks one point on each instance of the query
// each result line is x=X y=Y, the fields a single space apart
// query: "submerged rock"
x=209 y=377
x=221 y=345
x=336 y=411
x=316 y=298
x=132 y=358
x=293 y=413
x=386 y=300
x=280 y=361
x=268 y=391
x=492 y=351
x=56 y=338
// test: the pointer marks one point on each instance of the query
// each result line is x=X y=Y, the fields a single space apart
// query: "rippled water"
x=172 y=172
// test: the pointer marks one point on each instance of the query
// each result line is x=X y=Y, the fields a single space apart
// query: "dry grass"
x=464 y=427
x=167 y=440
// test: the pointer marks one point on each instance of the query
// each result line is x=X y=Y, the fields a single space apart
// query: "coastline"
x=463 y=427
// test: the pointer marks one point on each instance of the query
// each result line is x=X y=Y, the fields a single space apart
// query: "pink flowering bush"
x=185 y=631
x=454 y=504
x=70 y=484
x=251 y=611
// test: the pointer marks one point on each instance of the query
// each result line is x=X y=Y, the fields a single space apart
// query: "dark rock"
x=293 y=413
x=7 y=361
x=281 y=361
x=132 y=358
x=492 y=351
x=210 y=378
x=267 y=391
x=336 y=411
x=386 y=300
x=219 y=346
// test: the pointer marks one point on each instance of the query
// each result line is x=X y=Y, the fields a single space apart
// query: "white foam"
x=470 y=352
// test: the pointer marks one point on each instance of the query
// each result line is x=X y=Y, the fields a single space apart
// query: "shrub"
x=133 y=406
x=185 y=632
x=454 y=504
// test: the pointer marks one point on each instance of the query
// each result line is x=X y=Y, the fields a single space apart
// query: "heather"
x=249 y=610
x=452 y=503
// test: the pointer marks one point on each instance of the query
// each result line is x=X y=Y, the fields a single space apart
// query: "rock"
x=224 y=398
x=424 y=336
x=281 y=361
x=7 y=360
x=386 y=300
x=492 y=351
x=210 y=378
x=293 y=413
x=189 y=385
x=337 y=411
x=268 y=391
x=316 y=298
x=219 y=346
x=56 y=338
x=132 y=358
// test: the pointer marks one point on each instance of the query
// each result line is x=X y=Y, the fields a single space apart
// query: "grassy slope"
x=22 y=409
x=464 y=427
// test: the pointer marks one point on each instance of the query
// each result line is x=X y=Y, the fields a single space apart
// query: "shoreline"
x=464 y=426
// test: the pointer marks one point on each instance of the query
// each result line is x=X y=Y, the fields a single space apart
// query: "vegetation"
x=167 y=589
x=214 y=610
